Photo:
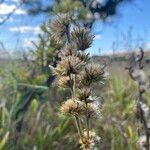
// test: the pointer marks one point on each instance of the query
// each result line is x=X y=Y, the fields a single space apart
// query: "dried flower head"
x=84 y=94
x=60 y=26
x=82 y=38
x=83 y=56
x=93 y=109
x=88 y=143
x=55 y=42
x=94 y=99
x=68 y=65
x=63 y=82
x=72 y=107
x=68 y=50
x=92 y=73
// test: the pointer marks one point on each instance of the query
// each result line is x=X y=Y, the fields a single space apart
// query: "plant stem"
x=87 y=122
x=74 y=84
x=71 y=85
x=77 y=121
x=68 y=33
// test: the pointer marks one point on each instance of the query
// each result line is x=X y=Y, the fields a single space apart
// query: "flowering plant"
x=76 y=71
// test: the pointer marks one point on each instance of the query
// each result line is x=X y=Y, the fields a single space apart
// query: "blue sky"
x=130 y=28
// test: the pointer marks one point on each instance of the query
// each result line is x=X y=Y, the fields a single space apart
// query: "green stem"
x=77 y=121
x=80 y=126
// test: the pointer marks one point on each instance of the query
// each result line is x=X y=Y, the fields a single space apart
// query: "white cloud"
x=16 y=0
x=147 y=46
x=97 y=37
x=6 y=9
x=13 y=0
x=28 y=43
x=26 y=29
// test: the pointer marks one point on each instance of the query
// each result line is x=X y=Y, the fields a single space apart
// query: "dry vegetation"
x=43 y=128
x=37 y=115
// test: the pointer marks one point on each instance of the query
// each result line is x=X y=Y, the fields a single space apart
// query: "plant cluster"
x=75 y=71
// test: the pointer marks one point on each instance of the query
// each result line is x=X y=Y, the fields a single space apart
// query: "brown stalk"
x=138 y=62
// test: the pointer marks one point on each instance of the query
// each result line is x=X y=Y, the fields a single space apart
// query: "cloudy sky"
x=131 y=27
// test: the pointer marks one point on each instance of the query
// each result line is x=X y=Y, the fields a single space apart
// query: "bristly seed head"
x=93 y=110
x=89 y=143
x=83 y=94
x=60 y=26
x=68 y=50
x=92 y=73
x=69 y=65
x=72 y=107
x=63 y=82
x=82 y=38
x=83 y=56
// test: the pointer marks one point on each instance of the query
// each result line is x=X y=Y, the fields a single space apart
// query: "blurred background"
x=29 y=104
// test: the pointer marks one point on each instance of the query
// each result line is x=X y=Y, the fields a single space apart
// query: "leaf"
x=4 y=141
x=33 y=86
x=130 y=132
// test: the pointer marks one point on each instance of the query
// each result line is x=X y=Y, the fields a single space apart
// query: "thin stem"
x=77 y=121
x=74 y=84
x=87 y=123
x=68 y=33
x=147 y=140
x=80 y=125
x=71 y=85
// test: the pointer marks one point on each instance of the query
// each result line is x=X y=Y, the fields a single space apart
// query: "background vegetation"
x=29 y=104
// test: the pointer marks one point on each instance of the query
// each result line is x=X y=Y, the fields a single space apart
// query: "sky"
x=125 y=31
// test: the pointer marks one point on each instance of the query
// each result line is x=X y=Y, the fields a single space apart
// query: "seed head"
x=89 y=143
x=72 y=107
x=94 y=99
x=93 y=110
x=55 y=42
x=83 y=94
x=63 y=82
x=60 y=26
x=68 y=65
x=68 y=50
x=83 y=56
x=92 y=73
x=82 y=38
